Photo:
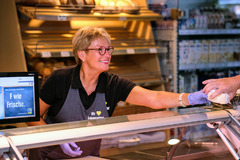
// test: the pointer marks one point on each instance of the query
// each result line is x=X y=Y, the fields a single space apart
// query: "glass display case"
x=203 y=133
x=193 y=142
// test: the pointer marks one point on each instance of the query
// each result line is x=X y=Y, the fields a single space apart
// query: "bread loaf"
x=64 y=2
x=126 y=3
x=39 y=2
x=221 y=99
x=52 y=2
x=106 y=6
x=89 y=2
x=45 y=72
x=128 y=6
x=39 y=66
x=78 y=2
x=117 y=6
x=81 y=6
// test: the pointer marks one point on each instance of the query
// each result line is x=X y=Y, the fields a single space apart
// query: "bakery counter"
x=38 y=136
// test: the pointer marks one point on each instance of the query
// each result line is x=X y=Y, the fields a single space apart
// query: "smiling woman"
x=84 y=37
x=94 y=60
x=87 y=91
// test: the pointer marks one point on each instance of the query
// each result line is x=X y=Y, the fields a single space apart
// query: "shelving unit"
x=135 y=52
x=58 y=43
x=66 y=13
x=208 y=66
x=188 y=32
x=206 y=48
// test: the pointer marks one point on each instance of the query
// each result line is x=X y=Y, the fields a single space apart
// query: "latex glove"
x=198 y=98
x=67 y=149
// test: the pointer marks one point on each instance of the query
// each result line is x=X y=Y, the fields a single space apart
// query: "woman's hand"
x=67 y=149
x=198 y=97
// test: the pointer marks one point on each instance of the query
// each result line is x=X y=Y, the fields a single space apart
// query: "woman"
x=80 y=92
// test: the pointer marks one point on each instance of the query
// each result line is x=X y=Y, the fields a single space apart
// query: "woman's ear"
x=81 y=55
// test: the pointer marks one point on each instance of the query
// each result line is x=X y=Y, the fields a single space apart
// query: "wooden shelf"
x=135 y=54
x=142 y=69
x=47 y=44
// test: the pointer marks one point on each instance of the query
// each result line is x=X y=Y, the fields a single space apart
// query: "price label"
x=46 y=54
x=153 y=50
x=65 y=54
x=122 y=18
x=62 y=18
x=130 y=51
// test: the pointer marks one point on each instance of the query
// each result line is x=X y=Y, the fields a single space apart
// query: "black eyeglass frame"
x=109 y=49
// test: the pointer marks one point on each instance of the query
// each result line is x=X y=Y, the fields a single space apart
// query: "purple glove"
x=198 y=98
x=67 y=149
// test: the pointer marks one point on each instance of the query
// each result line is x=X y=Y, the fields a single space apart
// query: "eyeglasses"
x=102 y=50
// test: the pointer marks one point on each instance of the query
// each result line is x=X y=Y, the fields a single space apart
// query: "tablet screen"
x=19 y=101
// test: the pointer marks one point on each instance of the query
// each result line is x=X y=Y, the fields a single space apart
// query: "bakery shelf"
x=142 y=69
x=47 y=38
x=47 y=44
x=65 y=52
x=144 y=79
x=60 y=13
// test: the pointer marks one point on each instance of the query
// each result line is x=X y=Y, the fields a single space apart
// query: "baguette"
x=51 y=2
x=89 y=2
x=78 y=2
x=126 y=3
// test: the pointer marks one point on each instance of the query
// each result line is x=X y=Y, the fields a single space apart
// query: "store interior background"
x=176 y=74
x=175 y=68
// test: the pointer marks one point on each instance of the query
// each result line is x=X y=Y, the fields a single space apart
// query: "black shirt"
x=55 y=89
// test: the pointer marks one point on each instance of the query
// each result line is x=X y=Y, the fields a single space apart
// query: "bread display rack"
x=135 y=55
x=65 y=13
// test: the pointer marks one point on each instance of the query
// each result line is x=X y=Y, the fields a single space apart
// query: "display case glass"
x=130 y=133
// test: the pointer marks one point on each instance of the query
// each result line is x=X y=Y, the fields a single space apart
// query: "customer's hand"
x=197 y=98
x=228 y=85
x=67 y=149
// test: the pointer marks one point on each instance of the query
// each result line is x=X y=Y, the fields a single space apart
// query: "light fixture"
x=173 y=141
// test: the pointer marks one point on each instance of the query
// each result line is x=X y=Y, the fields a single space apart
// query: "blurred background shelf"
x=66 y=13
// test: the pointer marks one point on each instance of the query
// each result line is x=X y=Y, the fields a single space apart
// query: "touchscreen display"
x=19 y=97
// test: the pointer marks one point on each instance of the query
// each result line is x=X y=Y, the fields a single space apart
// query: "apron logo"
x=98 y=113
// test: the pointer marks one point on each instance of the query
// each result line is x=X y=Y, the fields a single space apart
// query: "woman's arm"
x=155 y=99
x=43 y=109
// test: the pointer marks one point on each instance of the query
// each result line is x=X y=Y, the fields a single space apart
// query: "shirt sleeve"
x=118 y=88
x=47 y=93
x=123 y=88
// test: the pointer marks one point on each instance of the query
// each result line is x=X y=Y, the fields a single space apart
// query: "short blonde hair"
x=83 y=38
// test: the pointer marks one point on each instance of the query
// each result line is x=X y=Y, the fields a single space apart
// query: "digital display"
x=19 y=97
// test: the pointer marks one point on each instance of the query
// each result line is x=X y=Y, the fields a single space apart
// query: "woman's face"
x=94 y=60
